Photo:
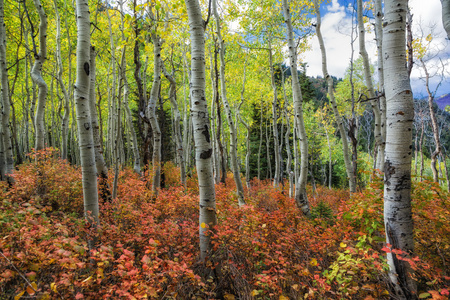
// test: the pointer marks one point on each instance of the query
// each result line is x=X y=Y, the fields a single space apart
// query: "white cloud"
x=336 y=27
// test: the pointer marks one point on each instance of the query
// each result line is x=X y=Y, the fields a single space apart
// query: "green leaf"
x=424 y=295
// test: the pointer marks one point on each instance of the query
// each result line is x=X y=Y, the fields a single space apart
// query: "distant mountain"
x=443 y=101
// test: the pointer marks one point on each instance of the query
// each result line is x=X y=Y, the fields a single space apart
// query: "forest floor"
x=148 y=247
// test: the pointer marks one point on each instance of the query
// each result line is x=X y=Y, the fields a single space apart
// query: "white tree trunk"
x=300 y=189
x=84 y=124
x=379 y=143
x=446 y=16
x=151 y=114
x=36 y=75
x=231 y=125
x=397 y=172
x=5 y=132
x=346 y=152
x=276 y=177
x=200 y=120
x=382 y=98
x=59 y=77
x=102 y=170
x=247 y=137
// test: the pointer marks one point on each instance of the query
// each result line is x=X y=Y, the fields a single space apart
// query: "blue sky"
x=336 y=25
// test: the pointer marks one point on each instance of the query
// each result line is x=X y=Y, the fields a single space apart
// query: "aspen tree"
x=151 y=113
x=6 y=153
x=36 y=76
x=200 y=121
x=397 y=173
x=379 y=143
x=84 y=124
x=59 y=77
x=300 y=189
x=231 y=124
x=346 y=153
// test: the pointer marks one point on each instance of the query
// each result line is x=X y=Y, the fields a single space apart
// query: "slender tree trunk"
x=102 y=170
x=151 y=113
x=247 y=137
x=348 y=165
x=7 y=151
x=200 y=120
x=421 y=150
x=300 y=192
x=434 y=124
x=276 y=177
x=231 y=124
x=36 y=75
x=219 y=120
x=260 y=142
x=368 y=77
x=397 y=174
x=65 y=117
x=177 y=123
x=84 y=124
x=214 y=141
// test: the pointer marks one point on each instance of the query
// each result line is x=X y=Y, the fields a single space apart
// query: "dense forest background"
x=172 y=150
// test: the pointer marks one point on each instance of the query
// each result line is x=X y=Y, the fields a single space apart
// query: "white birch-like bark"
x=446 y=16
x=300 y=189
x=151 y=114
x=177 y=123
x=382 y=98
x=276 y=178
x=102 y=170
x=5 y=131
x=36 y=75
x=128 y=115
x=84 y=124
x=59 y=77
x=346 y=152
x=379 y=143
x=214 y=143
x=247 y=137
x=200 y=120
x=231 y=124
x=397 y=172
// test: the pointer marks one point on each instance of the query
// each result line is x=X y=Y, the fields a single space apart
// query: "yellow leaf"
x=53 y=287
x=31 y=290
x=254 y=293
x=283 y=298
x=203 y=225
x=343 y=245
x=228 y=297
x=87 y=279
x=263 y=225
x=17 y=297
x=313 y=262
x=429 y=38
x=295 y=287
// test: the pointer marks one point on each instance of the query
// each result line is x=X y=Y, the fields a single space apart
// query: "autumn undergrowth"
x=148 y=248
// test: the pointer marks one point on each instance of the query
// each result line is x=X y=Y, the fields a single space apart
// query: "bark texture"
x=300 y=189
x=151 y=114
x=36 y=76
x=200 y=122
x=7 y=153
x=84 y=124
x=397 y=172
